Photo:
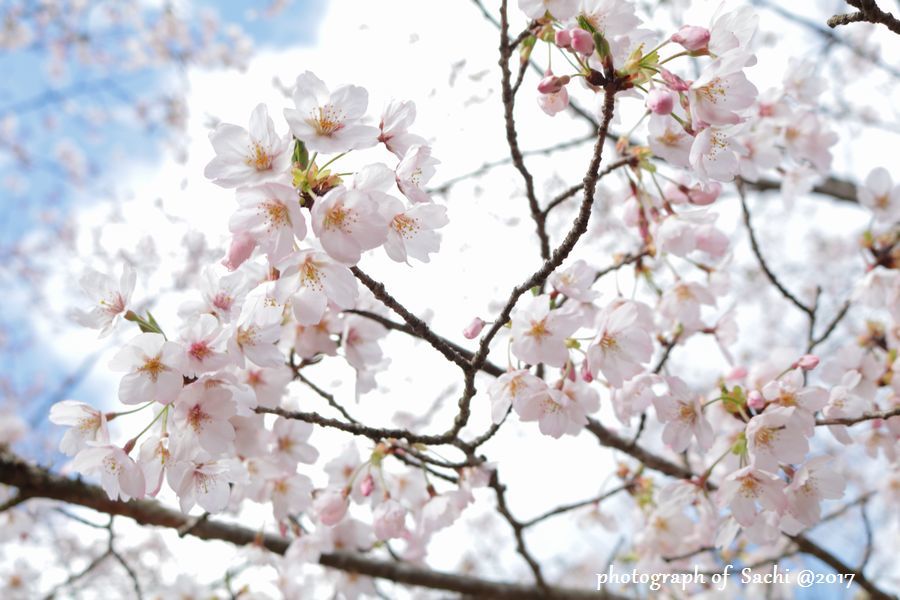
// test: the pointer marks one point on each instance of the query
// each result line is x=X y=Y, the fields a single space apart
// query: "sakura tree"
x=677 y=381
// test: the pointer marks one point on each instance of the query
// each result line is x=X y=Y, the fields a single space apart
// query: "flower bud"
x=331 y=506
x=553 y=103
x=242 y=246
x=389 y=519
x=563 y=38
x=474 y=328
x=552 y=84
x=586 y=372
x=675 y=83
x=755 y=400
x=737 y=374
x=691 y=37
x=660 y=101
x=582 y=41
x=704 y=195
x=367 y=485
x=807 y=362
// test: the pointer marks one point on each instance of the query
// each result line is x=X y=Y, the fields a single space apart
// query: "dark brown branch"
x=509 y=102
x=571 y=191
x=518 y=532
x=754 y=244
x=868 y=12
x=574 y=506
x=882 y=414
x=39 y=482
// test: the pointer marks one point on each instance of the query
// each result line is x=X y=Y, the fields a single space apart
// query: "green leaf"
x=301 y=154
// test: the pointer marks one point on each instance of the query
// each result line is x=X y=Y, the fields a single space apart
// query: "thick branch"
x=882 y=414
x=868 y=12
x=38 y=482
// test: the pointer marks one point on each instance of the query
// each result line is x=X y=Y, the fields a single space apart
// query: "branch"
x=868 y=12
x=575 y=505
x=882 y=414
x=565 y=195
x=41 y=483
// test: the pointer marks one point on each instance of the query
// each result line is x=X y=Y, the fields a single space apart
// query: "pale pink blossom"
x=290 y=443
x=318 y=338
x=270 y=213
x=389 y=519
x=880 y=195
x=311 y=280
x=330 y=507
x=204 y=343
x=575 y=281
x=789 y=391
x=623 y=343
x=154 y=369
x=415 y=171
x=582 y=41
x=774 y=437
x=553 y=102
x=733 y=32
x=412 y=231
x=86 y=424
x=111 y=299
x=153 y=458
x=290 y=495
x=243 y=243
x=714 y=155
x=249 y=156
x=682 y=412
x=255 y=339
x=815 y=481
x=511 y=388
x=120 y=476
x=612 y=18
x=268 y=384
x=559 y=9
x=348 y=221
x=539 y=334
x=559 y=411
x=396 y=119
x=222 y=296
x=807 y=139
x=329 y=122
x=360 y=339
x=844 y=403
x=200 y=479
x=743 y=489
x=669 y=140
x=634 y=397
x=682 y=303
x=202 y=413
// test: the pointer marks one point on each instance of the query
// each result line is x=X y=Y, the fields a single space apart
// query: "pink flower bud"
x=807 y=362
x=660 y=101
x=691 y=37
x=586 y=372
x=703 y=195
x=242 y=246
x=552 y=84
x=471 y=332
x=563 y=38
x=755 y=400
x=675 y=83
x=582 y=41
x=367 y=485
x=331 y=506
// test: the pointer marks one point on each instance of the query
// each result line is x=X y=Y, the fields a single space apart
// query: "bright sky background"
x=443 y=56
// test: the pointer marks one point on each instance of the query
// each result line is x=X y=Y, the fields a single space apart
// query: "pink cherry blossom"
x=311 y=280
x=539 y=334
x=202 y=414
x=512 y=388
x=86 y=423
x=270 y=213
x=773 y=437
x=290 y=494
x=660 y=101
x=714 y=155
x=290 y=443
x=669 y=140
x=199 y=479
x=411 y=233
x=691 y=37
x=559 y=9
x=622 y=344
x=815 y=481
x=111 y=299
x=575 y=281
x=743 y=489
x=395 y=122
x=880 y=195
x=204 y=343
x=582 y=42
x=682 y=412
x=348 y=222
x=154 y=369
x=120 y=476
x=414 y=171
x=559 y=411
x=790 y=391
x=249 y=156
x=554 y=102
x=389 y=519
x=329 y=122
x=473 y=329
x=330 y=507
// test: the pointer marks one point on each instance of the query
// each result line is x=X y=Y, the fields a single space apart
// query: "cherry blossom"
x=202 y=414
x=880 y=195
x=513 y=387
x=559 y=410
x=120 y=476
x=748 y=487
x=86 y=423
x=270 y=213
x=774 y=437
x=248 y=156
x=414 y=171
x=560 y=9
x=154 y=368
x=622 y=344
x=329 y=121
x=313 y=279
x=396 y=120
x=682 y=413
x=111 y=299
x=411 y=232
x=539 y=334
x=813 y=482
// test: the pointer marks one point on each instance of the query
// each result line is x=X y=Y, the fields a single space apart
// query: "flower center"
x=259 y=158
x=326 y=120
x=153 y=367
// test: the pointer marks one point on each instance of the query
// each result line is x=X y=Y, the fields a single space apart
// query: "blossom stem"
x=113 y=415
